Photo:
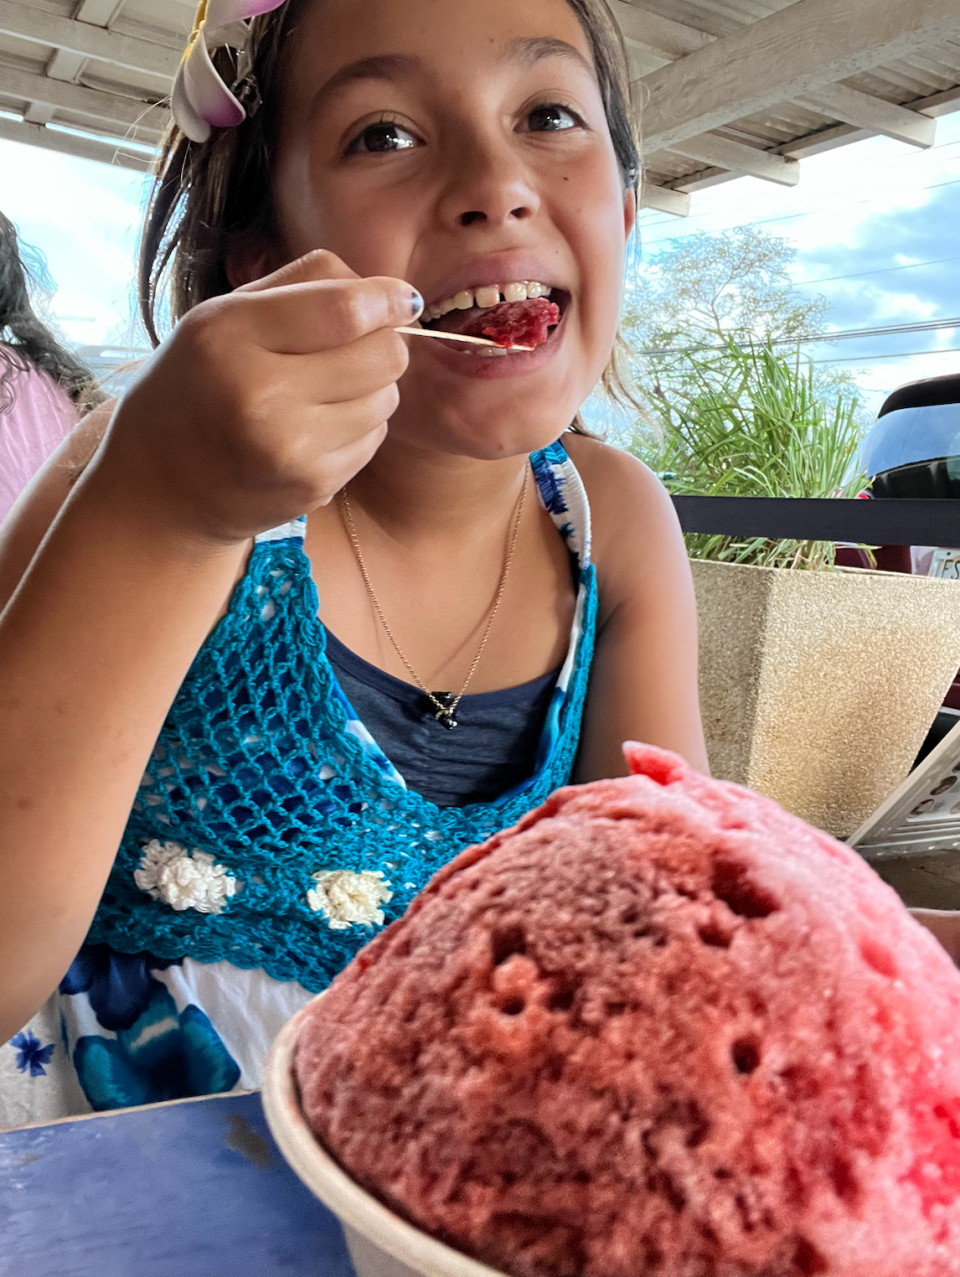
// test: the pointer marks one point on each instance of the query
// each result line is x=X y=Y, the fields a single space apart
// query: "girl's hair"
x=25 y=341
x=220 y=192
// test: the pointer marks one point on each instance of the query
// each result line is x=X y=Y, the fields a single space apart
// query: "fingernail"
x=416 y=305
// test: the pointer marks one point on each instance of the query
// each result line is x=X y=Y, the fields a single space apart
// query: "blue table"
x=193 y=1189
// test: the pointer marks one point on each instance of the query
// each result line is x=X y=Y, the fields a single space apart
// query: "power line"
x=880 y=330
x=902 y=354
x=862 y=274
x=819 y=339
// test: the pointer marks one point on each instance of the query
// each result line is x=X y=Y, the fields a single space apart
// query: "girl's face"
x=462 y=144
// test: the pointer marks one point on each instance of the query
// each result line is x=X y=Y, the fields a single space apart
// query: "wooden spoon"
x=473 y=341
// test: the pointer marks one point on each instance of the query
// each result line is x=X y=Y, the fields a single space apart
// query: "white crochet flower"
x=170 y=873
x=347 y=899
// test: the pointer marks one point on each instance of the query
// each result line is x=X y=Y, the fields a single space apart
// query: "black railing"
x=908 y=521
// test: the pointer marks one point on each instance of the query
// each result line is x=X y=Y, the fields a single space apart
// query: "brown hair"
x=25 y=340
x=220 y=191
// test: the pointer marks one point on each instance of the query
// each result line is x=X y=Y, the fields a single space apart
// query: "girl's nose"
x=488 y=187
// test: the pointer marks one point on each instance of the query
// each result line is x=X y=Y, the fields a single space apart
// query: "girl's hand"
x=263 y=403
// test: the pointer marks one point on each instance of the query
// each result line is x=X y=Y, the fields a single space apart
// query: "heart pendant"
x=445 y=715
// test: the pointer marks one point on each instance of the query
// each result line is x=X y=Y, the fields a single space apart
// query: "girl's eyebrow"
x=526 y=51
x=388 y=66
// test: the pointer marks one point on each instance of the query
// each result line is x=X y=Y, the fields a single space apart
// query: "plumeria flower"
x=200 y=101
x=347 y=899
x=30 y=1054
x=170 y=873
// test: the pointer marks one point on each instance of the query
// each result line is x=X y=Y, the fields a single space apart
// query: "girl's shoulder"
x=628 y=503
x=633 y=517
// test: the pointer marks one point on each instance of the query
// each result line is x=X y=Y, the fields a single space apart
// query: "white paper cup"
x=381 y=1244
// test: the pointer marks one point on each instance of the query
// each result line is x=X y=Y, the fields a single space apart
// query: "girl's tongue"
x=508 y=324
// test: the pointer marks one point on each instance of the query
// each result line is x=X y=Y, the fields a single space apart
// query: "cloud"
x=858 y=212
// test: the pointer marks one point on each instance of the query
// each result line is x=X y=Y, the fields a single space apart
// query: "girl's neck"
x=416 y=494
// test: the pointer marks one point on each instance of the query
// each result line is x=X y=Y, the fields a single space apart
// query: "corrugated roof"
x=733 y=86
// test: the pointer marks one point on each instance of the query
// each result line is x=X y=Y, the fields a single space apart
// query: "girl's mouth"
x=525 y=314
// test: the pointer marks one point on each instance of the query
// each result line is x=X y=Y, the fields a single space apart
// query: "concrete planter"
x=817 y=688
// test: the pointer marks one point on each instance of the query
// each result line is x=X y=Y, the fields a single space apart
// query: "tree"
x=696 y=297
x=707 y=288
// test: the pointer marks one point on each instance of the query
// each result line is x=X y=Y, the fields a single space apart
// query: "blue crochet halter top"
x=269 y=830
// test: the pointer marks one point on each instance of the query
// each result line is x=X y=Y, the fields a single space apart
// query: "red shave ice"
x=515 y=323
x=660 y=1027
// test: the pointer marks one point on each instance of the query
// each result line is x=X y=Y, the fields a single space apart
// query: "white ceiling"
x=729 y=86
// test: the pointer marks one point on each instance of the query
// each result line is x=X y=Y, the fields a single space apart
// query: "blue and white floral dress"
x=270 y=838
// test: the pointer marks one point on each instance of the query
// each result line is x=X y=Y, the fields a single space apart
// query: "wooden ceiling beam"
x=65 y=65
x=867 y=112
x=779 y=58
x=107 y=108
x=86 y=148
x=664 y=200
x=665 y=38
x=737 y=157
x=91 y=41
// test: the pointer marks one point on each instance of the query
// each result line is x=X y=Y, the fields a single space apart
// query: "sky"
x=882 y=215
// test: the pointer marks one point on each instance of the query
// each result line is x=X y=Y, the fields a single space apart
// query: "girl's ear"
x=249 y=258
x=629 y=211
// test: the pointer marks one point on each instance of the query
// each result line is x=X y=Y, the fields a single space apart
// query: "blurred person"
x=44 y=389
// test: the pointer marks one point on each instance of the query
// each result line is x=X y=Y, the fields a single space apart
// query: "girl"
x=42 y=386
x=287 y=724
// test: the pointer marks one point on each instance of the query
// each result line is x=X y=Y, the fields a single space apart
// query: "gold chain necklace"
x=444 y=704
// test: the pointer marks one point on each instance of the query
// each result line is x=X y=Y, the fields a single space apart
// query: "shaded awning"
x=730 y=87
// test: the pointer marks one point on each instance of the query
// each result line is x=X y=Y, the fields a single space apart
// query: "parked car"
x=913 y=450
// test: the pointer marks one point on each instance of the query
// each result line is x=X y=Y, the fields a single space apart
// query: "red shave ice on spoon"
x=516 y=323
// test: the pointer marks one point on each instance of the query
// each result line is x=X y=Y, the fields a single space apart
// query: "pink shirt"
x=41 y=417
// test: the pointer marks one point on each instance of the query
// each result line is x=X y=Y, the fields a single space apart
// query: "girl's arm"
x=643 y=685
x=260 y=407
x=93 y=646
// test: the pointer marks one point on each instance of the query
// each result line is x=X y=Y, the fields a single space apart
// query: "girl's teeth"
x=488 y=296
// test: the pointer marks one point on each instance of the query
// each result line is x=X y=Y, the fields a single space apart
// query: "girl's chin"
x=484 y=439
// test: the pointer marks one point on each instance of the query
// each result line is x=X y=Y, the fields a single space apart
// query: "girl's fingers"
x=351 y=372
x=318 y=302
x=320 y=264
x=299 y=318
x=340 y=425
x=351 y=459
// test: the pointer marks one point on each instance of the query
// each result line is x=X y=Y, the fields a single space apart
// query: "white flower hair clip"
x=200 y=101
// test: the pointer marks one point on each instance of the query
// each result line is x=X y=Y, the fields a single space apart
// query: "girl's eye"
x=551 y=117
x=383 y=138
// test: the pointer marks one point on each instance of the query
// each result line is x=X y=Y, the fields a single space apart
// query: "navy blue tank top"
x=493 y=749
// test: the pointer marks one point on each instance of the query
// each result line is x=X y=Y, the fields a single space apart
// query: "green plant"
x=746 y=421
